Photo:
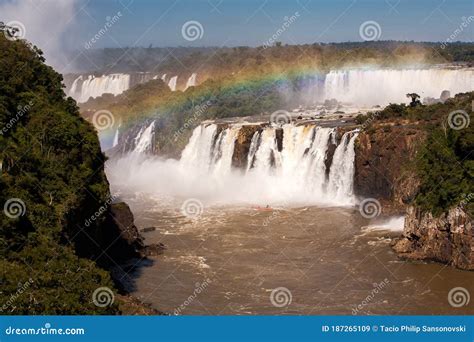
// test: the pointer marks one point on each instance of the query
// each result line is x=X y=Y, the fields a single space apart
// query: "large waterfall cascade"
x=92 y=86
x=297 y=172
x=384 y=86
x=87 y=86
x=350 y=86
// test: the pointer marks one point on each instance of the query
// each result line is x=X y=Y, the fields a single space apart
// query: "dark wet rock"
x=121 y=240
x=447 y=238
x=242 y=145
x=154 y=249
x=148 y=229
x=279 y=139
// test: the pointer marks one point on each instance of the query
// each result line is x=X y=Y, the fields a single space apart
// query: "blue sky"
x=252 y=22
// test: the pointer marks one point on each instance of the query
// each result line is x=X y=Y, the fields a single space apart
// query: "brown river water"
x=297 y=261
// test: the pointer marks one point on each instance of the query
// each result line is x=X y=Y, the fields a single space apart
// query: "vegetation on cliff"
x=51 y=181
x=445 y=163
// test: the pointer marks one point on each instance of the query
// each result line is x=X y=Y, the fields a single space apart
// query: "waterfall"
x=144 y=139
x=357 y=86
x=191 y=81
x=94 y=86
x=197 y=153
x=116 y=138
x=75 y=86
x=295 y=173
x=342 y=173
x=172 y=83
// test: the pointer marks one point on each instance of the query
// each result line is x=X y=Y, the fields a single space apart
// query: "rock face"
x=242 y=145
x=121 y=239
x=448 y=238
x=382 y=163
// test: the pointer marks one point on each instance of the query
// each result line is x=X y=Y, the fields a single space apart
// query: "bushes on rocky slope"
x=445 y=164
x=51 y=181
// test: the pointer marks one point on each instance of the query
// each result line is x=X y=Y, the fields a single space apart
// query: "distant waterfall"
x=173 y=82
x=116 y=138
x=372 y=87
x=298 y=171
x=191 y=81
x=96 y=86
x=144 y=139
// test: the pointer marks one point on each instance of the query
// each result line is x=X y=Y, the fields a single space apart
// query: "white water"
x=191 y=81
x=144 y=139
x=391 y=86
x=172 y=83
x=393 y=224
x=96 y=86
x=116 y=138
x=296 y=175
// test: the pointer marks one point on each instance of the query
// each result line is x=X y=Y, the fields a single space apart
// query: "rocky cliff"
x=383 y=163
x=448 y=238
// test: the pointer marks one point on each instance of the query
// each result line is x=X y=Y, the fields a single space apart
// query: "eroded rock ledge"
x=448 y=238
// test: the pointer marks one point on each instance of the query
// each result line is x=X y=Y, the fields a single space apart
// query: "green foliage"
x=445 y=165
x=51 y=161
